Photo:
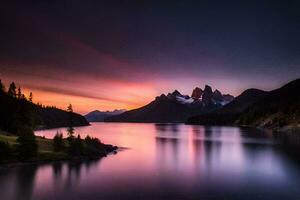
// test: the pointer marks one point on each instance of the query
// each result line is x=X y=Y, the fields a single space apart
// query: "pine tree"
x=70 y=108
x=12 y=90
x=19 y=93
x=27 y=145
x=1 y=86
x=58 y=143
x=76 y=147
x=23 y=97
x=70 y=132
x=30 y=97
x=70 y=111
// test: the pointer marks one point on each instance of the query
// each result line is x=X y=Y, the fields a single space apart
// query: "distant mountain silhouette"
x=99 y=116
x=277 y=108
x=174 y=107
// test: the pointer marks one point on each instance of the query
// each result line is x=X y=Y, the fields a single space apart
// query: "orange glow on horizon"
x=128 y=100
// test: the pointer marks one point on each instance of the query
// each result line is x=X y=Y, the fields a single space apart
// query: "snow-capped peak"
x=184 y=100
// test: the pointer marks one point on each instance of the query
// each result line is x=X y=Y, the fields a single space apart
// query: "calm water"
x=164 y=162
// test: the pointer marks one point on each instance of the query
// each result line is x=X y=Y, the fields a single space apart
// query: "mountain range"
x=253 y=107
x=99 y=116
x=273 y=109
x=175 y=107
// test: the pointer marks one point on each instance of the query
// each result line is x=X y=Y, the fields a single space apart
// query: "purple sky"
x=121 y=54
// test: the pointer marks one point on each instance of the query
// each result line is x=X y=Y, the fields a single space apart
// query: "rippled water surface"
x=164 y=162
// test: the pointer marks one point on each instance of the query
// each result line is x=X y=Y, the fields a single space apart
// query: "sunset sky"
x=121 y=54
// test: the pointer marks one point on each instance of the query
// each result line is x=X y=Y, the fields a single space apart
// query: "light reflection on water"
x=171 y=161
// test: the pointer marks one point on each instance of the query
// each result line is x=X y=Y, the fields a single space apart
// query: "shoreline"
x=65 y=158
x=45 y=152
x=56 y=127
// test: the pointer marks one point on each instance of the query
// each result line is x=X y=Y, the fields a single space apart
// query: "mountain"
x=229 y=113
x=173 y=107
x=280 y=108
x=19 y=115
x=277 y=108
x=197 y=93
x=99 y=116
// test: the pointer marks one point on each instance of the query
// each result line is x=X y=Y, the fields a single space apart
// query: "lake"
x=163 y=161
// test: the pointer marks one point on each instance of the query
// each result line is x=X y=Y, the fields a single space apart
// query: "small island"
x=20 y=117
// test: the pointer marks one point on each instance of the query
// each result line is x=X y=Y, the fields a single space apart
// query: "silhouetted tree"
x=1 y=86
x=23 y=97
x=94 y=147
x=27 y=145
x=19 y=93
x=70 y=132
x=70 y=129
x=70 y=108
x=76 y=147
x=30 y=98
x=58 y=143
x=92 y=141
x=12 y=90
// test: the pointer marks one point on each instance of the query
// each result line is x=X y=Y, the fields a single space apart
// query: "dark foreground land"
x=49 y=150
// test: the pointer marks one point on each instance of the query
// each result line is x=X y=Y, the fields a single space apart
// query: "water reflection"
x=168 y=151
x=165 y=129
x=18 y=183
x=165 y=161
x=25 y=182
x=205 y=147
x=69 y=174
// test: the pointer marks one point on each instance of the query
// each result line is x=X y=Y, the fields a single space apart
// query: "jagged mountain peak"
x=161 y=97
x=176 y=93
x=197 y=93
x=174 y=107
x=207 y=88
x=205 y=97
x=217 y=95
x=217 y=91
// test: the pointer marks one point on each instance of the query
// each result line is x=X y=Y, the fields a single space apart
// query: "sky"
x=109 y=55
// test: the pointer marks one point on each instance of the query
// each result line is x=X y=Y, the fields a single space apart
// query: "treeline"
x=71 y=147
x=20 y=116
x=17 y=116
x=18 y=112
x=75 y=147
x=14 y=92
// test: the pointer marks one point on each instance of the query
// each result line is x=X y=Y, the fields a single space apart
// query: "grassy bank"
x=46 y=150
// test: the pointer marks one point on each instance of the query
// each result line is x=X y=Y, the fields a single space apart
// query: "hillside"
x=161 y=110
x=53 y=117
x=19 y=115
x=281 y=107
